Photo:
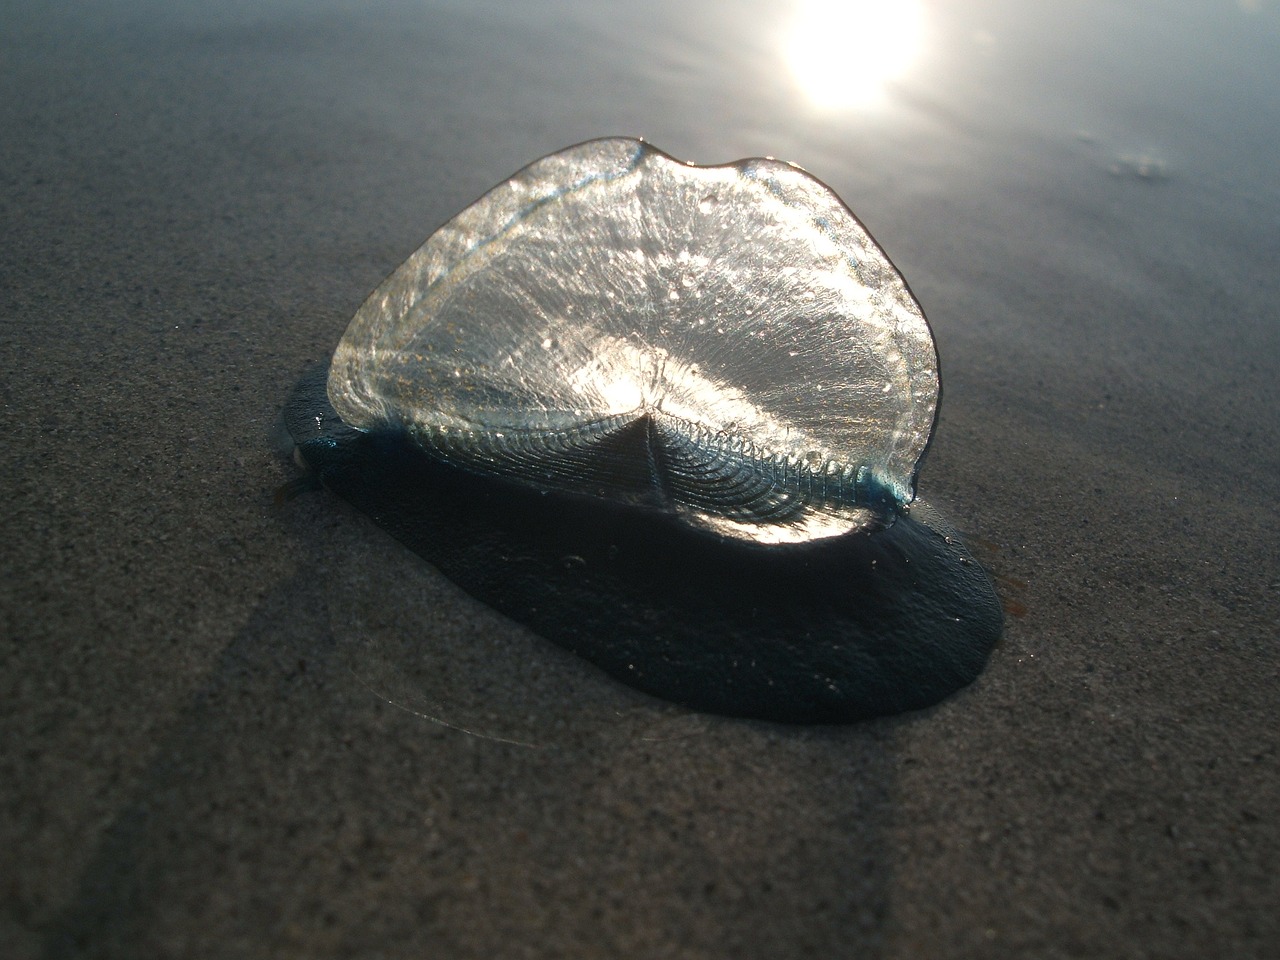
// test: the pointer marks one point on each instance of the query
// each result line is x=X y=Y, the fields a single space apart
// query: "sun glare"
x=844 y=53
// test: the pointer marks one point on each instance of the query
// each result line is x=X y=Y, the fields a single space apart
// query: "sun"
x=844 y=53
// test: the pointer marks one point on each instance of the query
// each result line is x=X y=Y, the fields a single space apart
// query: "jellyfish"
x=710 y=388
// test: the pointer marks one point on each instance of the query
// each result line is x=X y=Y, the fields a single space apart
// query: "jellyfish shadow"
x=839 y=630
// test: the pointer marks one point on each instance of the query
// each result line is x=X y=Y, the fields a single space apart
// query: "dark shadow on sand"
x=840 y=630
x=290 y=811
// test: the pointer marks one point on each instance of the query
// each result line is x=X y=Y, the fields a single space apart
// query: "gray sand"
x=230 y=727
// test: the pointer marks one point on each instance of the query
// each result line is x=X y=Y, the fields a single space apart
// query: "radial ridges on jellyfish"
x=726 y=344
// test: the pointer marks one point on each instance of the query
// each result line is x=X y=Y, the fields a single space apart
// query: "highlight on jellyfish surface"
x=708 y=386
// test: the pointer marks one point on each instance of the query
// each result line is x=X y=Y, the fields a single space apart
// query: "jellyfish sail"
x=725 y=344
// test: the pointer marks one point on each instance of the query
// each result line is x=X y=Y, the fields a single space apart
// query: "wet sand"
x=231 y=726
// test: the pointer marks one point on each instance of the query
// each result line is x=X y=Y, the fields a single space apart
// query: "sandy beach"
x=239 y=725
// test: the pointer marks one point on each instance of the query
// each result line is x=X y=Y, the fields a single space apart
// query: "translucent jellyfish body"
x=724 y=343
x=670 y=418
